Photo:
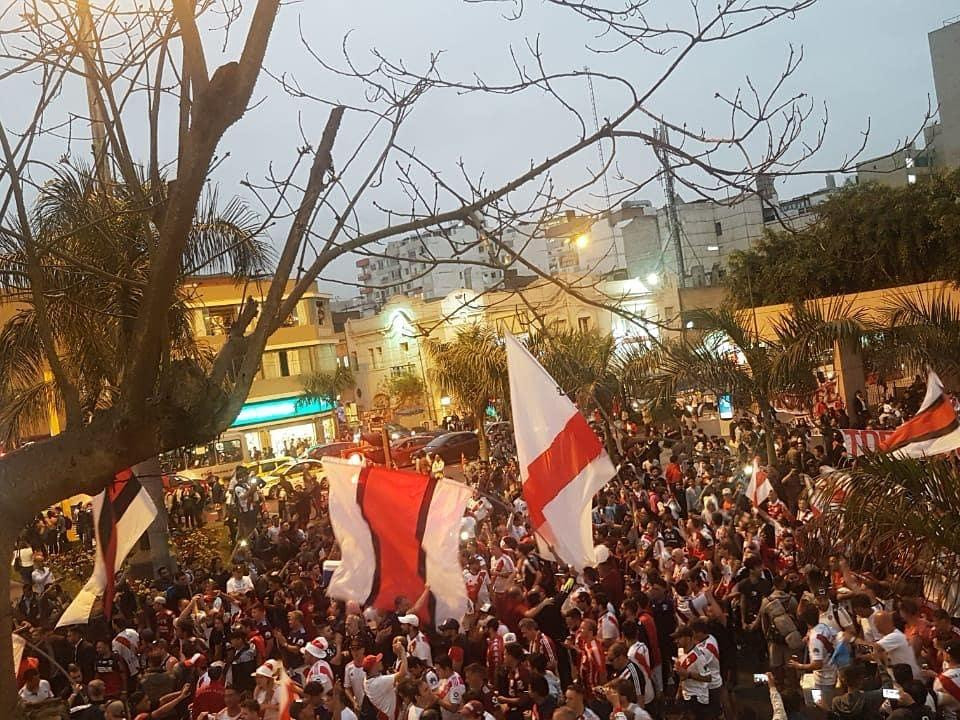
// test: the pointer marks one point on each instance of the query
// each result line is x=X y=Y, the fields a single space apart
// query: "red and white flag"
x=759 y=487
x=288 y=694
x=562 y=462
x=398 y=531
x=121 y=514
x=934 y=430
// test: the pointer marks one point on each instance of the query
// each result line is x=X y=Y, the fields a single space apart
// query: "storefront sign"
x=266 y=411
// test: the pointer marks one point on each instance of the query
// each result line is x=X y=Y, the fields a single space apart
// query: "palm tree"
x=590 y=366
x=923 y=331
x=95 y=248
x=473 y=368
x=733 y=357
x=892 y=515
x=326 y=387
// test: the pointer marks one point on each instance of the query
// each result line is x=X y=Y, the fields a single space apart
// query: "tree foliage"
x=473 y=368
x=404 y=390
x=103 y=240
x=865 y=237
x=327 y=386
x=893 y=515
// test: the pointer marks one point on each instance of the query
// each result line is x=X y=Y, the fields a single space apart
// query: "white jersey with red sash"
x=608 y=628
x=711 y=649
x=947 y=688
x=478 y=587
x=639 y=654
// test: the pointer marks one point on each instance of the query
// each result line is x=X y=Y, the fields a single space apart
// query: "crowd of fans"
x=698 y=599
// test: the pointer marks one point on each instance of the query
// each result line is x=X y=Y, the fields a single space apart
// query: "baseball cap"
x=370 y=660
x=472 y=709
x=410 y=619
x=449 y=624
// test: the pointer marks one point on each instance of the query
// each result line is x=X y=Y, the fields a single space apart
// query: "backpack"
x=781 y=629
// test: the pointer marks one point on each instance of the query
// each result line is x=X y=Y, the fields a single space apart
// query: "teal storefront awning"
x=290 y=408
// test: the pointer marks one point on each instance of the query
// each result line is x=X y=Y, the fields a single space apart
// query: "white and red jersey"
x=711 y=651
x=418 y=646
x=691 y=606
x=639 y=654
x=502 y=571
x=320 y=667
x=478 y=587
x=545 y=646
x=451 y=690
x=608 y=627
x=695 y=662
x=947 y=688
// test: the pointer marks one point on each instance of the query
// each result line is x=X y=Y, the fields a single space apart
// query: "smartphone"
x=817 y=695
x=891 y=694
x=760 y=678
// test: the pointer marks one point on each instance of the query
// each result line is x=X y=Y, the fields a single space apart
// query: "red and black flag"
x=934 y=430
x=121 y=514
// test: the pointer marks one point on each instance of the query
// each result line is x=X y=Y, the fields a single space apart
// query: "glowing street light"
x=653 y=279
x=582 y=241
x=748 y=470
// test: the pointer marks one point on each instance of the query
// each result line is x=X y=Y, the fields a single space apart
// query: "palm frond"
x=227 y=239
x=892 y=515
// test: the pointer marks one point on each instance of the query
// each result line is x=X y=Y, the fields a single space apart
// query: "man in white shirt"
x=239 y=583
x=417 y=644
x=695 y=669
x=382 y=689
x=947 y=684
x=821 y=641
x=450 y=692
x=35 y=690
x=893 y=648
x=502 y=570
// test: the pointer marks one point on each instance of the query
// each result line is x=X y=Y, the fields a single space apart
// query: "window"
x=355 y=363
x=292 y=320
x=405 y=347
x=218 y=321
x=373 y=357
x=584 y=323
x=398 y=370
x=718 y=229
x=288 y=362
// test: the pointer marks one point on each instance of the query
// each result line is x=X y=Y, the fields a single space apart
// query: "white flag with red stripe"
x=562 y=461
x=759 y=487
x=934 y=430
x=398 y=531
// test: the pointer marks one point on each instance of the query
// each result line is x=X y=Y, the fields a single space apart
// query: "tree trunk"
x=484 y=451
x=149 y=557
x=8 y=682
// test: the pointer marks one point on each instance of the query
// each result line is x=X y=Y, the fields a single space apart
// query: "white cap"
x=317 y=648
x=268 y=669
x=509 y=638
x=410 y=619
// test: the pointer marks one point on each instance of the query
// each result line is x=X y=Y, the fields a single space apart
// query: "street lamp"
x=445 y=401
x=582 y=241
x=653 y=279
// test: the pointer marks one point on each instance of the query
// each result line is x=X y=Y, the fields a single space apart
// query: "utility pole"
x=670 y=191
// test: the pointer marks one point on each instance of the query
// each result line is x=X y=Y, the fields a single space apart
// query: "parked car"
x=292 y=472
x=260 y=468
x=401 y=452
x=450 y=446
x=334 y=449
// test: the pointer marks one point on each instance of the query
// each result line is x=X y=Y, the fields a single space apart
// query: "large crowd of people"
x=699 y=604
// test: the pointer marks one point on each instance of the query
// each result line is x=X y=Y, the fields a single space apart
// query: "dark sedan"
x=450 y=446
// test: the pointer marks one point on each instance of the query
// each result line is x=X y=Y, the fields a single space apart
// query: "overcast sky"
x=864 y=59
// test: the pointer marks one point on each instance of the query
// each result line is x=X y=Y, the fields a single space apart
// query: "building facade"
x=391 y=342
x=274 y=415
